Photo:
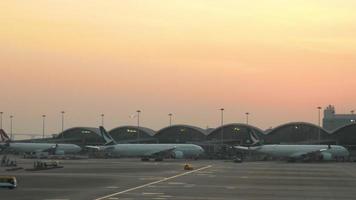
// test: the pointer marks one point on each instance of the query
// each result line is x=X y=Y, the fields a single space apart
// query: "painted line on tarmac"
x=153 y=183
x=56 y=199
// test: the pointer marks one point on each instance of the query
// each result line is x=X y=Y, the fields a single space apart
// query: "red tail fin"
x=3 y=136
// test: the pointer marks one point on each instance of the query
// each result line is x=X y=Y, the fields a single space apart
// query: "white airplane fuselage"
x=335 y=151
x=38 y=147
x=142 y=150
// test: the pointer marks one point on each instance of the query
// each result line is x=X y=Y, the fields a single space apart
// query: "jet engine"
x=54 y=151
x=326 y=156
x=177 y=154
x=59 y=152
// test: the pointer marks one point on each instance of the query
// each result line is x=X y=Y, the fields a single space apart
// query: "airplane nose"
x=79 y=148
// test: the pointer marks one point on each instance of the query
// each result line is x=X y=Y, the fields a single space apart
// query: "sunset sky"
x=276 y=59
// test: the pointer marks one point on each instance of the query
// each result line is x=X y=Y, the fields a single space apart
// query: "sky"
x=275 y=59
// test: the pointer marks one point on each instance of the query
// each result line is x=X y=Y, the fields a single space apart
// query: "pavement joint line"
x=153 y=183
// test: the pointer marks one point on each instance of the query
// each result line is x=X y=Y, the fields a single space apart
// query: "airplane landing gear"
x=145 y=159
x=158 y=159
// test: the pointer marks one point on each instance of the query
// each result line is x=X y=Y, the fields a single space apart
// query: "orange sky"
x=276 y=59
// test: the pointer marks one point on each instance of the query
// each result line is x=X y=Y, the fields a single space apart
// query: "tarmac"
x=128 y=179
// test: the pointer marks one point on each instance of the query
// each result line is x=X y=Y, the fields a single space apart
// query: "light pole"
x=319 y=111
x=170 y=119
x=1 y=119
x=247 y=114
x=11 y=117
x=43 y=125
x=62 y=123
x=102 y=120
x=222 y=124
x=138 y=125
x=353 y=116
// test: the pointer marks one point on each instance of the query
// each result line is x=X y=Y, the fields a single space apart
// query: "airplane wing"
x=299 y=155
x=100 y=148
x=306 y=154
x=160 y=152
x=50 y=149
x=242 y=148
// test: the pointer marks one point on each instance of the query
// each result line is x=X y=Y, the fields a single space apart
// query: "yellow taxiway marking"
x=152 y=183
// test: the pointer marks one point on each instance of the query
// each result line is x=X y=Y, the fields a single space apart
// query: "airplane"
x=147 y=151
x=37 y=148
x=298 y=152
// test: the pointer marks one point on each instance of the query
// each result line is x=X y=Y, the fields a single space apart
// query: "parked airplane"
x=299 y=152
x=148 y=151
x=37 y=148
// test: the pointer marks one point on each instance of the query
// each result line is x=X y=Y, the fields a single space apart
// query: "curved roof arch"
x=298 y=133
x=92 y=129
x=241 y=125
x=340 y=129
x=149 y=131
x=297 y=124
x=181 y=133
x=132 y=134
x=198 y=129
x=345 y=135
x=80 y=135
x=235 y=133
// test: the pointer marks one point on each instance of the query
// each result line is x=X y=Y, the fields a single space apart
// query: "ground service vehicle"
x=8 y=182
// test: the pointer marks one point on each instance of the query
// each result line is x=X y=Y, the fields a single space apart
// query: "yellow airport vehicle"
x=188 y=167
x=9 y=182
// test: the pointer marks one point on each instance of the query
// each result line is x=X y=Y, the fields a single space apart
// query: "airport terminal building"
x=337 y=129
x=212 y=140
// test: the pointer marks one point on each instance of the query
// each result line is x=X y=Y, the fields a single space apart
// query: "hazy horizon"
x=278 y=60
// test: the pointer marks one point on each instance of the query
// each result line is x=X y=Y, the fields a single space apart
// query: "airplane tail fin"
x=4 y=138
x=254 y=139
x=254 y=143
x=108 y=139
